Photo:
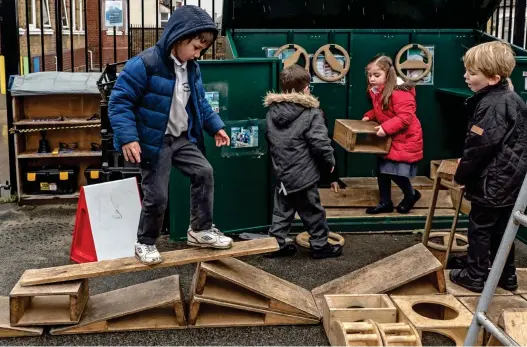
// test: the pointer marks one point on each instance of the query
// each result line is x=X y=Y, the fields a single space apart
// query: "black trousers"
x=485 y=231
x=307 y=203
x=385 y=187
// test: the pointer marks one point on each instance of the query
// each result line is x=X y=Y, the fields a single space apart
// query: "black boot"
x=287 y=251
x=380 y=208
x=328 y=251
x=409 y=202
x=508 y=282
x=461 y=278
x=457 y=262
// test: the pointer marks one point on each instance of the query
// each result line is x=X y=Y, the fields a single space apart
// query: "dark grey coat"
x=298 y=138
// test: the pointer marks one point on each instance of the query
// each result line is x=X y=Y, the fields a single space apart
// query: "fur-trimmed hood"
x=285 y=108
x=306 y=100
x=404 y=85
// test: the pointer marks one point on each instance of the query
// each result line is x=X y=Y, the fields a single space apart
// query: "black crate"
x=51 y=180
x=93 y=175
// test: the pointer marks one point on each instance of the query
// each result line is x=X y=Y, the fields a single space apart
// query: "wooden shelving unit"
x=64 y=118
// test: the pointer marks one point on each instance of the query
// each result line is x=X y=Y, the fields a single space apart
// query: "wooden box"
x=360 y=137
x=358 y=307
x=48 y=304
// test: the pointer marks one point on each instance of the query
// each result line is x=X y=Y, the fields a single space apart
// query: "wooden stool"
x=444 y=177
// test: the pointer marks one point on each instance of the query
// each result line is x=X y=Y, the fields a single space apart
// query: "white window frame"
x=161 y=21
x=64 y=12
x=81 y=17
x=33 y=28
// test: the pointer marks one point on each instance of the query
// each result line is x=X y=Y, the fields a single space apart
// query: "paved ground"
x=36 y=237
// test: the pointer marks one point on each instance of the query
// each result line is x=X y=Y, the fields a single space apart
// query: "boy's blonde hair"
x=491 y=59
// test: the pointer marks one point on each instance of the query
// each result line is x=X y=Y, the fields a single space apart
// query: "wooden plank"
x=384 y=275
x=66 y=288
x=297 y=300
x=75 y=154
x=515 y=325
x=137 y=307
x=418 y=182
x=447 y=170
x=361 y=213
x=215 y=316
x=421 y=286
x=357 y=126
x=131 y=264
x=497 y=305
x=6 y=330
x=521 y=274
x=457 y=290
x=370 y=198
x=71 y=121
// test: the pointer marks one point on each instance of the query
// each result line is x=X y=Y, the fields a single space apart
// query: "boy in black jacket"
x=299 y=147
x=494 y=161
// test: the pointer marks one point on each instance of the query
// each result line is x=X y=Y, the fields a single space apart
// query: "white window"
x=164 y=19
x=33 y=18
x=64 y=13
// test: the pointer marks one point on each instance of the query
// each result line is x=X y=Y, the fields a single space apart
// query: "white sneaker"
x=212 y=238
x=147 y=254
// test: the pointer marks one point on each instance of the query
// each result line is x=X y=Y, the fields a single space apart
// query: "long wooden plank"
x=361 y=213
x=125 y=304
x=418 y=182
x=265 y=284
x=365 y=197
x=384 y=275
x=131 y=264
x=67 y=288
x=6 y=330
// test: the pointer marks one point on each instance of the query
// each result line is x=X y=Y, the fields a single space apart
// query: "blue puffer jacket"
x=140 y=102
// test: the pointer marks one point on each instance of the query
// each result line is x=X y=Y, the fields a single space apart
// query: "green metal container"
x=243 y=184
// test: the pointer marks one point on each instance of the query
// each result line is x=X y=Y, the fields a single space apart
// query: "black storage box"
x=93 y=175
x=51 y=180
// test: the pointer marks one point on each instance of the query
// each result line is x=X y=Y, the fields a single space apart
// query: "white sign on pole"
x=113 y=13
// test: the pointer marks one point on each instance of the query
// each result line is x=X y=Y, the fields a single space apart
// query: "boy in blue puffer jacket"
x=158 y=112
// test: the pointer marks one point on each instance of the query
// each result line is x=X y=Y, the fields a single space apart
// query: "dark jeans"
x=385 y=187
x=485 y=231
x=307 y=203
x=185 y=156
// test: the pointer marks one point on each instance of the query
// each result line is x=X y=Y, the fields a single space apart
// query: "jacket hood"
x=186 y=20
x=287 y=107
x=406 y=86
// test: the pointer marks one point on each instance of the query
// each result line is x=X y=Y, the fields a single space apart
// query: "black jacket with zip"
x=298 y=140
x=494 y=161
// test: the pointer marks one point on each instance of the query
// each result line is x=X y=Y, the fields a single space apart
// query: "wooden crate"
x=49 y=304
x=360 y=137
x=357 y=307
x=56 y=114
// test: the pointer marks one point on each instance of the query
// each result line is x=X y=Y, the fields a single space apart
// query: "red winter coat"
x=400 y=122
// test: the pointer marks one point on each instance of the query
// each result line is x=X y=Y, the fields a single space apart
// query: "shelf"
x=76 y=154
x=461 y=92
x=27 y=122
x=29 y=197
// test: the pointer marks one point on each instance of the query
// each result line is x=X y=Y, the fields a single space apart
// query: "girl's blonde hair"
x=385 y=63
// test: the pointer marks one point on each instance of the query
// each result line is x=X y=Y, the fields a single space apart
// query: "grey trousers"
x=186 y=157
x=307 y=203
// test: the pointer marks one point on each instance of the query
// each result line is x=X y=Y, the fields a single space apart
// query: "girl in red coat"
x=394 y=109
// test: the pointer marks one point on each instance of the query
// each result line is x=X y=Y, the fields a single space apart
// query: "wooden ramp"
x=6 y=330
x=384 y=275
x=131 y=264
x=48 y=304
x=153 y=305
x=229 y=292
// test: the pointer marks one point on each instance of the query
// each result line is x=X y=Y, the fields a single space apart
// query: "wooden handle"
x=398 y=339
x=356 y=327
x=362 y=337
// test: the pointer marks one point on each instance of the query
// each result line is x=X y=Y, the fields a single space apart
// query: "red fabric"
x=400 y=122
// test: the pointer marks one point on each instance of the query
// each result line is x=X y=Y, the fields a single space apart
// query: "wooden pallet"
x=6 y=330
x=229 y=292
x=384 y=275
x=49 y=304
x=356 y=308
x=153 y=305
x=442 y=314
x=131 y=264
x=360 y=137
